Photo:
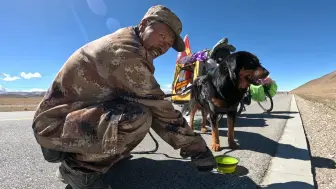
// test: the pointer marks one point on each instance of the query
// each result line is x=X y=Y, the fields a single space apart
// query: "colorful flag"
x=187 y=50
x=184 y=75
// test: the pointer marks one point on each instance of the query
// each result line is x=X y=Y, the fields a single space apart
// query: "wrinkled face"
x=156 y=37
x=251 y=72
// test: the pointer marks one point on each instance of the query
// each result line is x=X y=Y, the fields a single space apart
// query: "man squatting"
x=105 y=99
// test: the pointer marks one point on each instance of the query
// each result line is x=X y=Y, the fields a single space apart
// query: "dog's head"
x=245 y=69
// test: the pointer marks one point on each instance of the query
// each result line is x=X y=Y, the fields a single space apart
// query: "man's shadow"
x=146 y=173
x=289 y=185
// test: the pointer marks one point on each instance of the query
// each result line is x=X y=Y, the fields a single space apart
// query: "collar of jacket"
x=149 y=62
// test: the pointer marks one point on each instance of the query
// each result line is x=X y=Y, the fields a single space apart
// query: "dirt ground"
x=319 y=121
x=327 y=100
x=9 y=104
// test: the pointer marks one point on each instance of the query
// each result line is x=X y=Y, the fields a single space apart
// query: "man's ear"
x=143 y=24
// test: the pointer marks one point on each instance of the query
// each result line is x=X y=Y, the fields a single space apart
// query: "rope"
x=151 y=151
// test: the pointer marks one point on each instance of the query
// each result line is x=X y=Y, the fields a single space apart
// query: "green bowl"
x=226 y=164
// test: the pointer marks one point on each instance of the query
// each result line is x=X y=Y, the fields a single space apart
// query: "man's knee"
x=109 y=125
x=136 y=118
x=133 y=126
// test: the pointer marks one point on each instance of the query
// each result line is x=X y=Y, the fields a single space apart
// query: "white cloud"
x=9 y=77
x=30 y=75
x=166 y=88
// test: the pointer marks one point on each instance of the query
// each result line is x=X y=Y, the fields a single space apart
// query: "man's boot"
x=77 y=179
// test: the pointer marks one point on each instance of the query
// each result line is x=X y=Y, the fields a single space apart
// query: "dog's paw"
x=233 y=145
x=203 y=130
x=215 y=147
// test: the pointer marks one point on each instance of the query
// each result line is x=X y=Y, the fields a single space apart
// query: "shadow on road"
x=271 y=115
x=259 y=143
x=146 y=173
x=251 y=120
x=321 y=162
x=241 y=122
x=289 y=185
x=246 y=122
x=283 y=112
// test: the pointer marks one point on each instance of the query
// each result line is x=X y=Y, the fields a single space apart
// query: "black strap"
x=169 y=95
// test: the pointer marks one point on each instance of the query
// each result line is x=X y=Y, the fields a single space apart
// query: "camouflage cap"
x=165 y=15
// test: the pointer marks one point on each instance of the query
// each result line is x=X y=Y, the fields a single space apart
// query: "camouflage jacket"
x=111 y=67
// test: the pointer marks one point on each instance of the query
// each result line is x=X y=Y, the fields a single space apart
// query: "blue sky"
x=295 y=40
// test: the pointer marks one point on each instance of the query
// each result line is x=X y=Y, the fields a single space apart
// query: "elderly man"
x=105 y=98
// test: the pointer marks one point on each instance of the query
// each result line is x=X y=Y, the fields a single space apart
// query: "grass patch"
x=11 y=104
x=17 y=108
x=20 y=100
x=330 y=102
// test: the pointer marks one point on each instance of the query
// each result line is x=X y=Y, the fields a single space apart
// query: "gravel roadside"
x=320 y=126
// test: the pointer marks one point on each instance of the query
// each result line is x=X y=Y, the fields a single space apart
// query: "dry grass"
x=19 y=100
x=10 y=104
x=322 y=90
x=323 y=99
x=17 y=108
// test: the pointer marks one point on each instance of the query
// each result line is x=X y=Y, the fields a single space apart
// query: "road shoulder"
x=290 y=173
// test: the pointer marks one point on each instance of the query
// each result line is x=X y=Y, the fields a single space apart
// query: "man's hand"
x=201 y=156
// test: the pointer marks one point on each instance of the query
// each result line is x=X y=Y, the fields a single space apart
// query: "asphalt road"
x=22 y=164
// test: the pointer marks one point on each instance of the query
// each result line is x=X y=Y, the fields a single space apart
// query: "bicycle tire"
x=271 y=100
x=240 y=110
x=185 y=109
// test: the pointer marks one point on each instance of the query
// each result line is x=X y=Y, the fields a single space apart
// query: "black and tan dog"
x=219 y=92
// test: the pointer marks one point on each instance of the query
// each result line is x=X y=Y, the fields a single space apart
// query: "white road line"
x=17 y=119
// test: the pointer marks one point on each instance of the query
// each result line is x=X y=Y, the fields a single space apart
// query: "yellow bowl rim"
x=221 y=164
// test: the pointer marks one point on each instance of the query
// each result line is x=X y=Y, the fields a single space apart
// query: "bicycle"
x=248 y=98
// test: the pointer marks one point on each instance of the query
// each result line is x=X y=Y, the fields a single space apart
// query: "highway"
x=22 y=165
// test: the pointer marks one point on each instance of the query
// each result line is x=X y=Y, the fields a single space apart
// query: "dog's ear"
x=231 y=64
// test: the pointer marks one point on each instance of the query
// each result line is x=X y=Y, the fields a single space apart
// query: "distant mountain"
x=33 y=93
x=324 y=86
x=5 y=92
x=2 y=89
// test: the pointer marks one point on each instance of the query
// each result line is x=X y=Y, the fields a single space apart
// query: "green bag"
x=257 y=93
x=273 y=88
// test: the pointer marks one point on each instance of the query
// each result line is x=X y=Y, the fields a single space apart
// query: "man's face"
x=157 y=37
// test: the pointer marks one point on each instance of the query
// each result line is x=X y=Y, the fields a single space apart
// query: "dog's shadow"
x=241 y=122
x=265 y=115
x=143 y=173
x=249 y=120
x=259 y=143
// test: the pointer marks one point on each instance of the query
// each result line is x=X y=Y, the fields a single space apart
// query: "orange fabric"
x=184 y=53
x=187 y=52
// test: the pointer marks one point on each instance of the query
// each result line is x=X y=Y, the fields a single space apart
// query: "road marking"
x=17 y=119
